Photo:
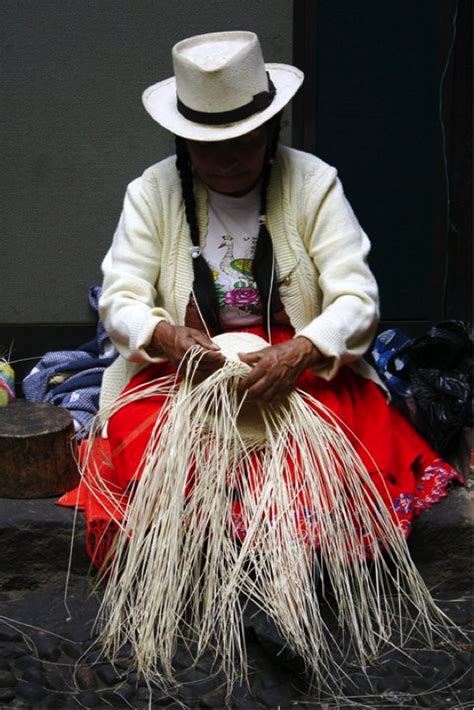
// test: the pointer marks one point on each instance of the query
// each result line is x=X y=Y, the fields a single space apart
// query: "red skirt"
x=408 y=474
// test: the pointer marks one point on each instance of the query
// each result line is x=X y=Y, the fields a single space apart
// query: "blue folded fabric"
x=72 y=378
x=386 y=361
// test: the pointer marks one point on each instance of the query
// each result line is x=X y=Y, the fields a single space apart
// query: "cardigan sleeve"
x=339 y=249
x=131 y=269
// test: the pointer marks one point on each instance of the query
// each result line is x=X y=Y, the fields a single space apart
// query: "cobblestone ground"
x=46 y=660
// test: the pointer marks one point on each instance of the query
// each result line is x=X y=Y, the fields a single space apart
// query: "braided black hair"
x=203 y=286
x=263 y=265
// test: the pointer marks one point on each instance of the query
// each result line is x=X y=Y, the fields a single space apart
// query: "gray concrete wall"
x=74 y=132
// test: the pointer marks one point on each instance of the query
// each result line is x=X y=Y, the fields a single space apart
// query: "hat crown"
x=211 y=56
x=220 y=71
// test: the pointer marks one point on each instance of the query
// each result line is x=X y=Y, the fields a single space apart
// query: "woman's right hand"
x=174 y=342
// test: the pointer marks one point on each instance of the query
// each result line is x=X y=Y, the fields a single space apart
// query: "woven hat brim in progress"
x=160 y=102
x=250 y=422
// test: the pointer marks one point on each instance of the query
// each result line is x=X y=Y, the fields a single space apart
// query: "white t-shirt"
x=229 y=250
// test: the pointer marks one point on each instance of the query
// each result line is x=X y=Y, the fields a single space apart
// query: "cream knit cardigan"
x=325 y=284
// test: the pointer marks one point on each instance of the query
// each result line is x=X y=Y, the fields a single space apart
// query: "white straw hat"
x=221 y=89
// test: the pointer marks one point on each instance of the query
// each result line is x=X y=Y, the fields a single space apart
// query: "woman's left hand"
x=276 y=369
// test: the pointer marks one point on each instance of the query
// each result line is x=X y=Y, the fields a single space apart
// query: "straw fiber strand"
x=182 y=568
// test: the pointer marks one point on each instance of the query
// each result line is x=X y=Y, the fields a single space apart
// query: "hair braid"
x=203 y=285
x=263 y=265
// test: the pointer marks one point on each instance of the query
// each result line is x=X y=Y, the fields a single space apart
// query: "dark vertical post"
x=304 y=57
x=452 y=285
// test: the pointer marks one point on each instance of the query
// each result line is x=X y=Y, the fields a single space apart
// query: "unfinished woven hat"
x=221 y=89
x=250 y=423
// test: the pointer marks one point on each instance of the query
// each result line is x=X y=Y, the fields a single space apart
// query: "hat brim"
x=160 y=102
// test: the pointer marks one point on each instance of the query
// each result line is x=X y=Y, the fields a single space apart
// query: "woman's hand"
x=276 y=369
x=174 y=342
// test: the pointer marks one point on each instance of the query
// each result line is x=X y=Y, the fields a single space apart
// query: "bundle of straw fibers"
x=183 y=568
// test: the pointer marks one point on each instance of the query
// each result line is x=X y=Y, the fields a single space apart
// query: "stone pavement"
x=47 y=659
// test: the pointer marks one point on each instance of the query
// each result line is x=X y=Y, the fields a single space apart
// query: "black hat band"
x=259 y=102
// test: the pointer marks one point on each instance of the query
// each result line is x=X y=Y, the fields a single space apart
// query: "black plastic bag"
x=439 y=368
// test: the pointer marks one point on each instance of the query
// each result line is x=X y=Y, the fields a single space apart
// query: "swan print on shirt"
x=237 y=293
x=229 y=249
x=233 y=276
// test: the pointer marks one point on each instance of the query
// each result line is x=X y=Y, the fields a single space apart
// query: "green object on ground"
x=7 y=384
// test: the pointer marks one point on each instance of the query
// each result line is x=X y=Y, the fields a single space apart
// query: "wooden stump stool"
x=36 y=450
